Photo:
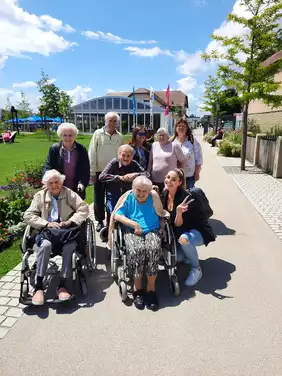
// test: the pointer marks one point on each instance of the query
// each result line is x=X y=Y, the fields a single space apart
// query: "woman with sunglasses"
x=140 y=145
x=70 y=158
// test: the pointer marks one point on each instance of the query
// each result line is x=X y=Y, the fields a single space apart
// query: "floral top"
x=193 y=153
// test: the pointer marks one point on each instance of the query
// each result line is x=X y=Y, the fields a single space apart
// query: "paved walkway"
x=229 y=325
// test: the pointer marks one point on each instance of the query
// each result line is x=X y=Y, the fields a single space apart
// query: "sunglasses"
x=141 y=134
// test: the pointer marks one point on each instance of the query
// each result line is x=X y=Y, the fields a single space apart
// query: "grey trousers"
x=43 y=255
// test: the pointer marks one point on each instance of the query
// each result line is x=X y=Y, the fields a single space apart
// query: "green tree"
x=65 y=104
x=50 y=100
x=211 y=95
x=243 y=66
x=6 y=113
x=23 y=107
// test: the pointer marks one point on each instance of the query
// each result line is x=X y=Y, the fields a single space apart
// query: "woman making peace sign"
x=189 y=223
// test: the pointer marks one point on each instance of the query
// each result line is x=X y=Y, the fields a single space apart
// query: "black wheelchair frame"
x=83 y=260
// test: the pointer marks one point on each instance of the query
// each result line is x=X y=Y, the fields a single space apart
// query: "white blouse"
x=193 y=153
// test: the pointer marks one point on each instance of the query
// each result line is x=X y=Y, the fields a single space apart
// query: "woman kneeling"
x=142 y=211
x=54 y=207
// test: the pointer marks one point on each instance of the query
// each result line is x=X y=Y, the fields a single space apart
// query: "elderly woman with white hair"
x=164 y=157
x=119 y=175
x=141 y=211
x=70 y=158
x=54 y=207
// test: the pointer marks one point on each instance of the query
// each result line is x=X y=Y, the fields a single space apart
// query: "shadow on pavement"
x=216 y=275
x=97 y=282
x=219 y=228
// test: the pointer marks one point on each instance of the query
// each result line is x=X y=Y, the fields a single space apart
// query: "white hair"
x=110 y=115
x=125 y=147
x=162 y=130
x=51 y=174
x=142 y=181
x=67 y=126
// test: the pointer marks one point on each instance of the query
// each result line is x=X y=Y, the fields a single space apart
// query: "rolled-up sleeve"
x=198 y=153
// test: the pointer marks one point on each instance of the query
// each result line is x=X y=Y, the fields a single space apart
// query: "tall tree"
x=6 y=113
x=50 y=100
x=243 y=66
x=65 y=104
x=211 y=97
x=23 y=107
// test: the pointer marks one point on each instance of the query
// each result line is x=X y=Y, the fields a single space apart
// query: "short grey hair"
x=51 y=174
x=67 y=126
x=126 y=147
x=142 y=181
x=162 y=130
x=110 y=115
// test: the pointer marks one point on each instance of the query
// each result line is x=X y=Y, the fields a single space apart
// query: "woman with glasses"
x=140 y=145
x=183 y=137
x=70 y=158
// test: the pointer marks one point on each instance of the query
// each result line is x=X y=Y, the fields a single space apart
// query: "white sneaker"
x=194 y=277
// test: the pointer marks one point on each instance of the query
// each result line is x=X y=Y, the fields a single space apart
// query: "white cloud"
x=109 y=37
x=22 y=32
x=109 y=91
x=80 y=94
x=3 y=60
x=25 y=85
x=147 y=52
x=55 y=25
x=187 y=84
x=192 y=64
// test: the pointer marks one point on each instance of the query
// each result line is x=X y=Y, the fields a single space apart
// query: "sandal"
x=38 y=298
x=63 y=294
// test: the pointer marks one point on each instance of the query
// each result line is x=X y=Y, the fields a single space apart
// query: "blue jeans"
x=190 y=182
x=189 y=251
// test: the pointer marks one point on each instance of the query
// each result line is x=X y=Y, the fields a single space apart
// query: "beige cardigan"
x=158 y=206
x=71 y=207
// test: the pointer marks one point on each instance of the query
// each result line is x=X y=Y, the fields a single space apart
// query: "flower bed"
x=16 y=198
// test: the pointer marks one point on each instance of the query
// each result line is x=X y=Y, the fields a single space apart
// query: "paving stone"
x=14 y=302
x=3 y=332
x=13 y=273
x=2 y=318
x=9 y=322
x=4 y=292
x=3 y=309
x=4 y=301
x=17 y=280
x=14 y=312
x=14 y=294
x=8 y=278
x=8 y=286
x=1 y=284
x=17 y=287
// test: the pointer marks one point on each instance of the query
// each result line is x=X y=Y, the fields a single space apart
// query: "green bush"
x=234 y=137
x=208 y=136
x=275 y=131
x=228 y=148
x=253 y=127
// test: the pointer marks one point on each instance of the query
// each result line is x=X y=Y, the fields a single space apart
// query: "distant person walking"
x=103 y=148
x=69 y=158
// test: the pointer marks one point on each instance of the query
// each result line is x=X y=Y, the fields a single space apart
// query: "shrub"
x=17 y=230
x=208 y=136
x=228 y=148
x=253 y=127
x=275 y=132
x=15 y=211
x=33 y=173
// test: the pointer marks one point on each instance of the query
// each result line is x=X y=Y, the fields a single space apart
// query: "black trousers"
x=99 y=199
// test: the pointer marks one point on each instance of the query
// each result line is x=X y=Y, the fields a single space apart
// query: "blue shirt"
x=144 y=214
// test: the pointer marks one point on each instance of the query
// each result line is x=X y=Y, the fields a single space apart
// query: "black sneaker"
x=99 y=226
x=139 y=299
x=152 y=301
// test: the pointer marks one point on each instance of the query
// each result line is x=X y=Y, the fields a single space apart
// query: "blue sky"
x=149 y=44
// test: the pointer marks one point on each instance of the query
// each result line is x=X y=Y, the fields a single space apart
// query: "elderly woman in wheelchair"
x=141 y=212
x=54 y=207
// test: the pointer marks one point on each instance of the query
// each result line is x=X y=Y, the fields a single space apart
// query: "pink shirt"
x=164 y=158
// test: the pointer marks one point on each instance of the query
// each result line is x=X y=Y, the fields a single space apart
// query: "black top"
x=55 y=161
x=193 y=218
x=146 y=149
x=114 y=170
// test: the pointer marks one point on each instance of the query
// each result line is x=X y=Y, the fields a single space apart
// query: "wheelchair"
x=83 y=261
x=119 y=269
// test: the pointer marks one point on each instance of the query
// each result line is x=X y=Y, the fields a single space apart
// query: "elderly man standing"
x=103 y=147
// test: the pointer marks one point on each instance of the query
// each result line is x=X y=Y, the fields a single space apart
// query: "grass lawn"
x=28 y=148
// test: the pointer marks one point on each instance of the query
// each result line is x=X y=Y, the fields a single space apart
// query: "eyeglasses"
x=142 y=134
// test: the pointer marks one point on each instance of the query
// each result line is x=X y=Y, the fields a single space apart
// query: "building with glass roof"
x=90 y=115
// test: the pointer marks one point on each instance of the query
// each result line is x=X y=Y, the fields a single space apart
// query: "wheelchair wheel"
x=122 y=291
x=91 y=244
x=25 y=291
x=174 y=285
x=113 y=258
